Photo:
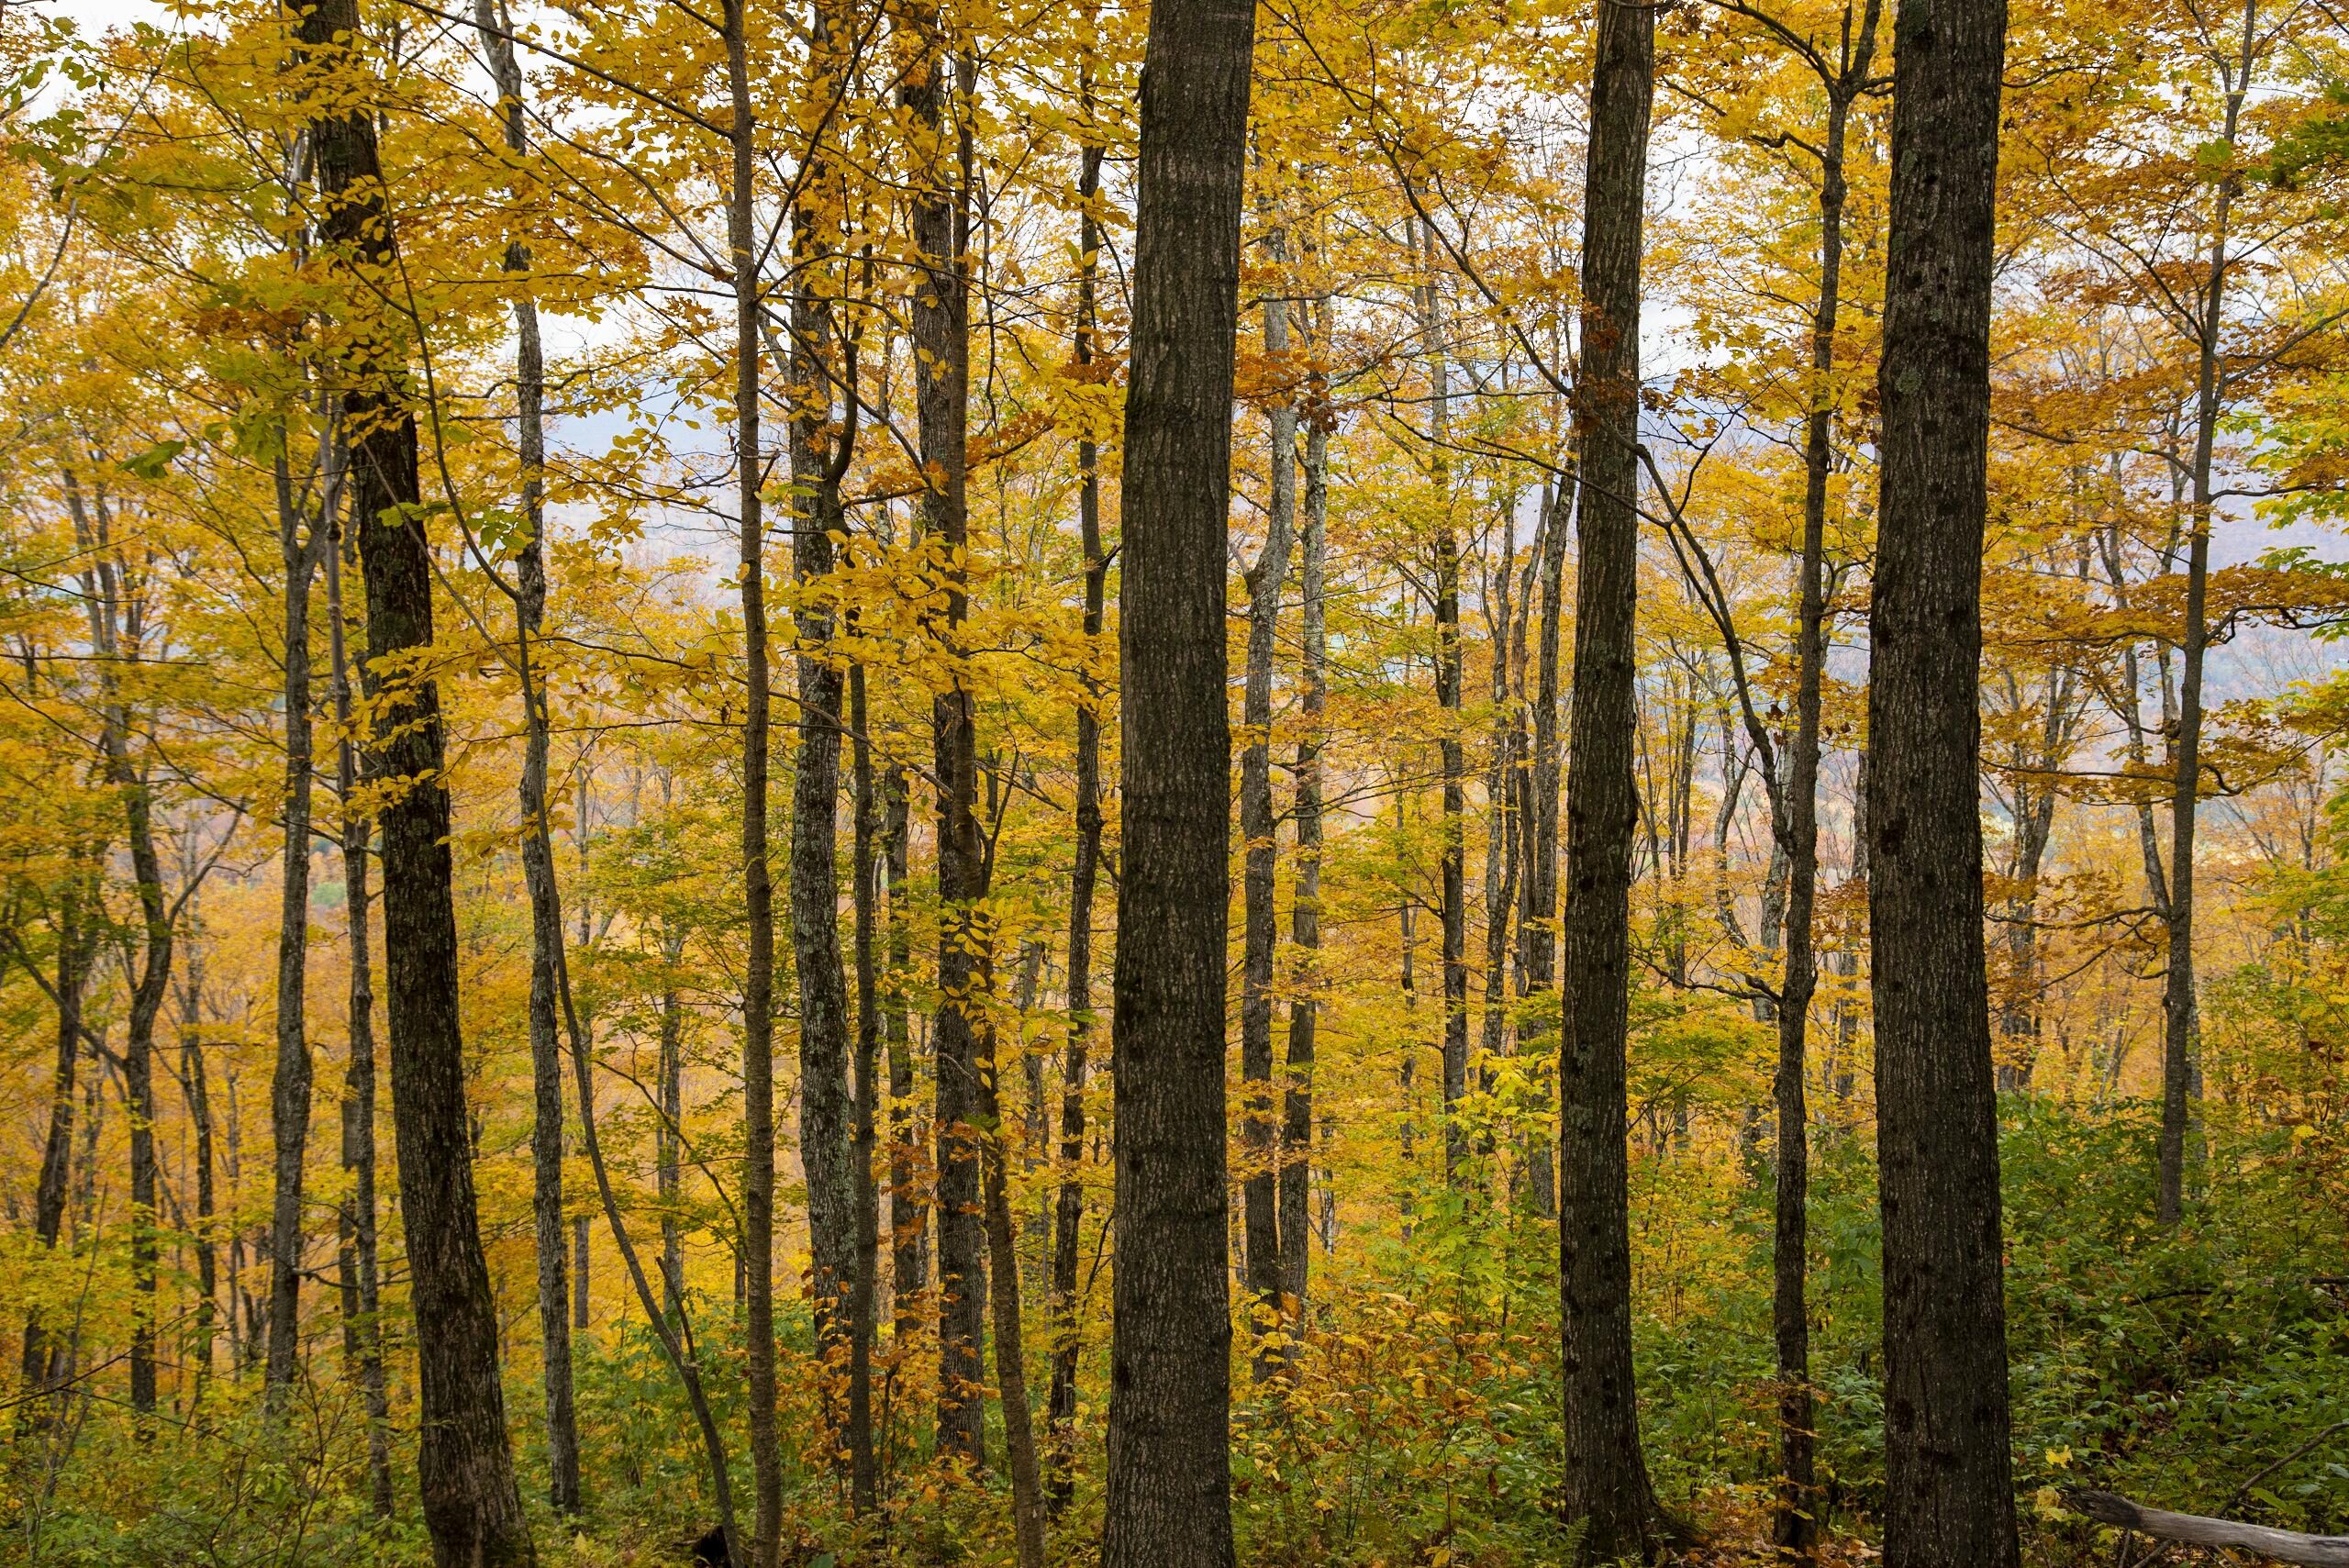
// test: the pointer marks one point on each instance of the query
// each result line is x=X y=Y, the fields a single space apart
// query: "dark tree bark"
x=465 y=1470
x=757 y=1253
x=110 y=594
x=1605 y=1477
x=78 y=930
x=1502 y=842
x=863 y=1286
x=1260 y=1181
x=289 y=1095
x=1949 y=1495
x=1003 y=1294
x=1068 y=1209
x=1794 y=1521
x=1170 y=1470
x=1452 y=858
x=908 y=1207
x=819 y=456
x=1538 y=927
x=538 y=857
x=362 y=1292
x=2181 y=1080
x=1305 y=913
x=669 y=1146
x=942 y=339
x=196 y=1089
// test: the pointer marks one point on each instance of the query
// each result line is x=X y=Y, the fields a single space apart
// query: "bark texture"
x=819 y=456
x=289 y=1090
x=942 y=337
x=464 y=1468
x=364 y=1332
x=1169 y=1441
x=1605 y=1479
x=1949 y=1497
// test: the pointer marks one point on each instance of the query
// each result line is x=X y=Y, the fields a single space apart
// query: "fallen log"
x=2194 y=1530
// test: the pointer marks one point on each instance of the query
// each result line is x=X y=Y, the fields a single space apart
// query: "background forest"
x=751 y=620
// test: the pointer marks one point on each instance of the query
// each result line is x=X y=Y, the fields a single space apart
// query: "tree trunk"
x=289 y=1097
x=817 y=463
x=107 y=590
x=363 y=1297
x=1304 y=913
x=1068 y=1212
x=669 y=1147
x=198 y=1091
x=1452 y=859
x=864 y=1473
x=1795 y=1527
x=1949 y=1495
x=758 y=886
x=2034 y=821
x=908 y=1209
x=538 y=858
x=942 y=337
x=2179 y=1079
x=1605 y=1477
x=1260 y=1181
x=1538 y=929
x=75 y=952
x=1501 y=833
x=1003 y=1290
x=464 y=1468
x=1170 y=1472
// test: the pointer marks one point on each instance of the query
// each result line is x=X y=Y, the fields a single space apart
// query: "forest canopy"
x=1462 y=784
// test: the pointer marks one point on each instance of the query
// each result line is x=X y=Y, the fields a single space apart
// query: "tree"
x=1605 y=1478
x=1949 y=1491
x=529 y=596
x=465 y=1470
x=1265 y=579
x=1170 y=1477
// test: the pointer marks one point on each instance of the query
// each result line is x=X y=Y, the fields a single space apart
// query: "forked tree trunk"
x=108 y=594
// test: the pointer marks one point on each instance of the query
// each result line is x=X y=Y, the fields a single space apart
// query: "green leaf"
x=155 y=460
